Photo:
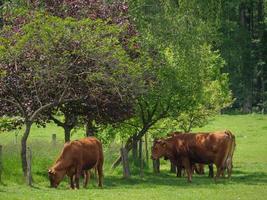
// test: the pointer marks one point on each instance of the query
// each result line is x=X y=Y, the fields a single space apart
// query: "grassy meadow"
x=249 y=179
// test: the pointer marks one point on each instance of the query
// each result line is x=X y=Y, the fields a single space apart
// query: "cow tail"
x=229 y=133
x=233 y=144
x=229 y=160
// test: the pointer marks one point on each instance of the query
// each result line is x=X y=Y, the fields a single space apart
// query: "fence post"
x=125 y=163
x=29 y=167
x=54 y=139
x=1 y=164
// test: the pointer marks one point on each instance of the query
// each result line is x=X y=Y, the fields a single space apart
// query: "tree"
x=99 y=107
x=45 y=67
x=176 y=84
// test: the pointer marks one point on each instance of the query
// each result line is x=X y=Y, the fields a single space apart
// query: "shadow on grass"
x=165 y=178
x=250 y=178
x=168 y=179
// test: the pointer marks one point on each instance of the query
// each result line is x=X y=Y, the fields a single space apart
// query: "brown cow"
x=198 y=168
x=205 y=148
x=78 y=157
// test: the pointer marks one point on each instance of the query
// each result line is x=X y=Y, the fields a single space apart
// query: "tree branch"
x=142 y=112
x=34 y=115
x=18 y=105
x=56 y=121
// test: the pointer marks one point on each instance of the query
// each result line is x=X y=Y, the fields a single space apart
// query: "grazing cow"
x=205 y=148
x=199 y=168
x=78 y=157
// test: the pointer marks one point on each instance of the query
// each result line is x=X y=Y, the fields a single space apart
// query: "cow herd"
x=189 y=151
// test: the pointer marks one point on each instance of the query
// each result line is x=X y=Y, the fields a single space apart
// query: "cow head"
x=159 y=149
x=55 y=177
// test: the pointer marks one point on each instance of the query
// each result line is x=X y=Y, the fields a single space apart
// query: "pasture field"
x=249 y=180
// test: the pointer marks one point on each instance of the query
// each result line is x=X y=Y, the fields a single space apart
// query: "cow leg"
x=77 y=177
x=100 y=174
x=229 y=167
x=194 y=168
x=229 y=170
x=72 y=182
x=211 y=173
x=218 y=173
x=86 y=178
x=179 y=170
x=222 y=173
x=188 y=168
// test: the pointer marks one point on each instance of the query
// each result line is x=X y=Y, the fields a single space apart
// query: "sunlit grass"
x=249 y=179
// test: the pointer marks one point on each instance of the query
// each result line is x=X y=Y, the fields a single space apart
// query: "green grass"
x=249 y=179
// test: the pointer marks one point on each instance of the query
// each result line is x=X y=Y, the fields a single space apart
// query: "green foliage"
x=57 y=40
x=10 y=123
x=187 y=71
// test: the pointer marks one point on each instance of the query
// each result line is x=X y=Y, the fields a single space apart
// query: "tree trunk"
x=140 y=150
x=24 y=147
x=247 y=105
x=134 y=148
x=263 y=94
x=1 y=164
x=262 y=37
x=242 y=14
x=141 y=158
x=146 y=150
x=129 y=144
x=67 y=131
x=125 y=163
x=156 y=166
x=29 y=167
x=1 y=15
x=90 y=131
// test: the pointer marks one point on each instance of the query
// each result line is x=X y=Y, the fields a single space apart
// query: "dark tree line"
x=244 y=48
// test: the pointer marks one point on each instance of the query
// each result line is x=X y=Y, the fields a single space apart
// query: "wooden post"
x=156 y=166
x=54 y=139
x=1 y=165
x=125 y=163
x=29 y=167
x=141 y=158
